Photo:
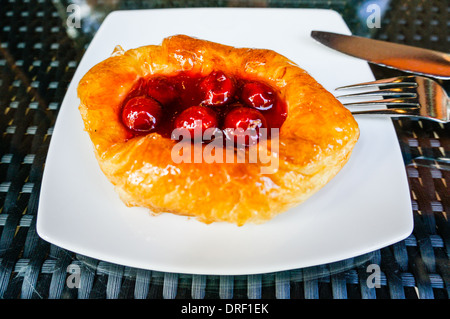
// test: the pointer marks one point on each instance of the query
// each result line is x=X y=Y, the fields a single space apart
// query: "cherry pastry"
x=316 y=132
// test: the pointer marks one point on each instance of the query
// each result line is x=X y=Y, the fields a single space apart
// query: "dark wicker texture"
x=37 y=62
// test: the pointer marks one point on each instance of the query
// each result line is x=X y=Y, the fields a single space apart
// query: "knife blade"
x=397 y=56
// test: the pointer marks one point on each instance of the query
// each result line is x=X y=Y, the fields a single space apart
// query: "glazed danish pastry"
x=132 y=101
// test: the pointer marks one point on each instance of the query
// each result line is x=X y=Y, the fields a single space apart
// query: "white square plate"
x=365 y=207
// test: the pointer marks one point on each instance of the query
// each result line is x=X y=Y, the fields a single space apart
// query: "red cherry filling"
x=218 y=89
x=196 y=119
x=162 y=103
x=243 y=125
x=162 y=90
x=258 y=96
x=141 y=114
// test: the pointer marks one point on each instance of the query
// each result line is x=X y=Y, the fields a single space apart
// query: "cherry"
x=258 y=96
x=137 y=89
x=218 y=89
x=160 y=89
x=196 y=117
x=249 y=120
x=141 y=114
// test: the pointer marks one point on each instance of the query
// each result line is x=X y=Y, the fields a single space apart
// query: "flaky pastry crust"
x=315 y=141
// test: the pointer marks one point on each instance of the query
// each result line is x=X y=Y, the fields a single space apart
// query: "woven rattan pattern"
x=37 y=62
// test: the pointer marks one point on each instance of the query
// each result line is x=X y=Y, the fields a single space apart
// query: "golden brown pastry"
x=132 y=101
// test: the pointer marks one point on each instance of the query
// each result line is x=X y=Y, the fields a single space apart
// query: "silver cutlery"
x=413 y=96
x=398 y=56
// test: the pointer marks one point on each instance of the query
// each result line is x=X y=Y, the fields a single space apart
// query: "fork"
x=413 y=96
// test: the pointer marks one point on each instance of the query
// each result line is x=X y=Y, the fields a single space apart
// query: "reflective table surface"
x=41 y=44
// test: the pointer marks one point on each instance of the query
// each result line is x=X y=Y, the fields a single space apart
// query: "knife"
x=397 y=56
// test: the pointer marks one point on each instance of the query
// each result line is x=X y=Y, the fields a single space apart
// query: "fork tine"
x=412 y=111
x=398 y=81
x=386 y=92
x=387 y=102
